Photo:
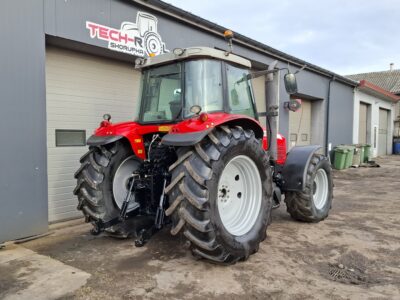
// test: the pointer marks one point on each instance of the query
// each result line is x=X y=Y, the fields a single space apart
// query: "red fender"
x=207 y=121
x=196 y=126
x=132 y=131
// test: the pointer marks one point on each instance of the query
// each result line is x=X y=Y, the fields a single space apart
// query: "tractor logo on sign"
x=139 y=39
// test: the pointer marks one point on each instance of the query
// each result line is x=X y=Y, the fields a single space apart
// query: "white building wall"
x=375 y=104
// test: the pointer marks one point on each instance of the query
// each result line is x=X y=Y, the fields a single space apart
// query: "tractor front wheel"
x=313 y=204
x=221 y=195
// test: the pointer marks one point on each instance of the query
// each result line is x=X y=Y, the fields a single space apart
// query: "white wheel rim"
x=239 y=195
x=121 y=180
x=321 y=189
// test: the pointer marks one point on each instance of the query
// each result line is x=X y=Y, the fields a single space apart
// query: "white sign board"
x=139 y=39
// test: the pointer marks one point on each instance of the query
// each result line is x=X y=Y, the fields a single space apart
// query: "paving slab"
x=25 y=274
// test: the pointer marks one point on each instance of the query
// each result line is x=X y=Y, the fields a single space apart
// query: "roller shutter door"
x=363 y=120
x=383 y=132
x=300 y=125
x=80 y=88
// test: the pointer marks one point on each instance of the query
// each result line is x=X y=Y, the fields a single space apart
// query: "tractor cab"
x=179 y=85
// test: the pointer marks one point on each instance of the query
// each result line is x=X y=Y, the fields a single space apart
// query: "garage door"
x=383 y=132
x=300 y=125
x=363 y=120
x=80 y=88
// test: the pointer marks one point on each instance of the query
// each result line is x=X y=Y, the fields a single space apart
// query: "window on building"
x=70 y=137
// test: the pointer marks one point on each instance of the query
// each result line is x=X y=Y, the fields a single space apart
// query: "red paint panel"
x=134 y=131
x=281 y=148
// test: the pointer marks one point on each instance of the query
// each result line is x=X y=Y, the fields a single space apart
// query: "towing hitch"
x=145 y=229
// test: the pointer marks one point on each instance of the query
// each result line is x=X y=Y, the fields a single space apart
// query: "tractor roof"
x=194 y=52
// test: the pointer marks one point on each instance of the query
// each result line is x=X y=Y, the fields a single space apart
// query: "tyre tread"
x=299 y=204
x=189 y=207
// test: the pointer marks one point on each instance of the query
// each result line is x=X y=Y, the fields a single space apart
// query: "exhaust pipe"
x=272 y=107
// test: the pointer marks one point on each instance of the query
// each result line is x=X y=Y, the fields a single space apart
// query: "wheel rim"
x=321 y=189
x=239 y=195
x=122 y=179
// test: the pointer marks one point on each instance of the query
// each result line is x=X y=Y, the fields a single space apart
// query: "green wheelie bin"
x=340 y=157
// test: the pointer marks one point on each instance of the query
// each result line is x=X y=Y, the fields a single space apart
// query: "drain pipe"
x=327 y=116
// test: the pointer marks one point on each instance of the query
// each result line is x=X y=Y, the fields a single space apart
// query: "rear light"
x=281 y=148
x=265 y=143
x=281 y=143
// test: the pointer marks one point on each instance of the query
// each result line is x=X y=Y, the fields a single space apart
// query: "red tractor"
x=197 y=159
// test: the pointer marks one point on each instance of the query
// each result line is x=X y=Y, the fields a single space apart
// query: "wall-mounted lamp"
x=292 y=105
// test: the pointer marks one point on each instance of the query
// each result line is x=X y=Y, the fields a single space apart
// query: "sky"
x=343 y=36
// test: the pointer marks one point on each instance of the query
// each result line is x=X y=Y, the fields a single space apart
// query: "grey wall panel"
x=71 y=17
x=23 y=181
x=122 y=11
x=49 y=16
x=341 y=114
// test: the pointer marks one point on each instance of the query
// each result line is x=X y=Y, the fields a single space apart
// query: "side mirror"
x=290 y=83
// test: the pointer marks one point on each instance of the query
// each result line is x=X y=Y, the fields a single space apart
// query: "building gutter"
x=196 y=21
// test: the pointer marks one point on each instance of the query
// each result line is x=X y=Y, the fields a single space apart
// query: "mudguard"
x=184 y=139
x=96 y=140
x=191 y=131
x=294 y=171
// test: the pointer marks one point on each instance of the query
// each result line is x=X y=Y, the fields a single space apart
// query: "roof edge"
x=368 y=86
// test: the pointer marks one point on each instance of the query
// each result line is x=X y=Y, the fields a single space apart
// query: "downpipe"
x=328 y=106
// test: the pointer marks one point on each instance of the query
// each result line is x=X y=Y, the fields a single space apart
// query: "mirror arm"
x=268 y=71
x=262 y=73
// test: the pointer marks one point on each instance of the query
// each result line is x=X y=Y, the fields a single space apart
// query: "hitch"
x=128 y=198
x=146 y=233
x=160 y=214
x=99 y=225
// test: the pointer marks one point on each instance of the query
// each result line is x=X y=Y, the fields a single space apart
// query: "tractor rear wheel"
x=220 y=195
x=314 y=203
x=102 y=183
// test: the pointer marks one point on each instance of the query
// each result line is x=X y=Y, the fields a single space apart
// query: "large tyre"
x=221 y=195
x=99 y=196
x=314 y=203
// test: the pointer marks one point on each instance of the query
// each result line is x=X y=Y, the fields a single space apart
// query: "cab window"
x=203 y=85
x=239 y=91
x=161 y=94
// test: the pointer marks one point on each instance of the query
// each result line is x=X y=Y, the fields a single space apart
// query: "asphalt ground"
x=353 y=254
